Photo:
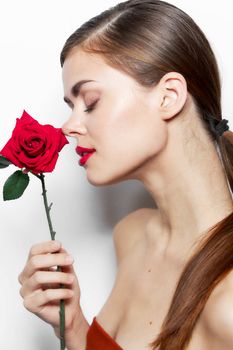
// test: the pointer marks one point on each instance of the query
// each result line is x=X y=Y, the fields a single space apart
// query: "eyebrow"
x=75 y=90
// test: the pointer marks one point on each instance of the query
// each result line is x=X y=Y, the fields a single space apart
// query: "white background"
x=32 y=34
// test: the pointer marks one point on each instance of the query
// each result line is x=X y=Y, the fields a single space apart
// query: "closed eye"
x=91 y=107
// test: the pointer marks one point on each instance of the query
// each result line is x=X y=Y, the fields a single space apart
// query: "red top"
x=99 y=339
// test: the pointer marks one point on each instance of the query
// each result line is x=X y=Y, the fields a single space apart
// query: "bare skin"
x=41 y=292
x=145 y=283
x=155 y=136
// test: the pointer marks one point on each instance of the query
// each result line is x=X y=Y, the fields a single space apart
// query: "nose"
x=73 y=127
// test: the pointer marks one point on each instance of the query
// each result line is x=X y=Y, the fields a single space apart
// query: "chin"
x=99 y=181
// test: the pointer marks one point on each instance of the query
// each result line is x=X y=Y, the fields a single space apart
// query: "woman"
x=151 y=111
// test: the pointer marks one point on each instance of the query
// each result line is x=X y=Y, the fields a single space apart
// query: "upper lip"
x=80 y=150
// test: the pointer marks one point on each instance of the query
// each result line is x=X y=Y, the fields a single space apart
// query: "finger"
x=47 y=261
x=36 y=301
x=67 y=268
x=45 y=280
x=39 y=249
x=44 y=248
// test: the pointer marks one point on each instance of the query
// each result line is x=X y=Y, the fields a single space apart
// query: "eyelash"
x=91 y=107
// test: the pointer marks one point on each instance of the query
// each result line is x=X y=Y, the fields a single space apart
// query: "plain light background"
x=31 y=37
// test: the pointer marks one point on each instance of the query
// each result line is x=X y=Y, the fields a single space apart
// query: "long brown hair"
x=147 y=39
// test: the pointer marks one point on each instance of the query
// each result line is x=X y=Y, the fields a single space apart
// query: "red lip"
x=80 y=150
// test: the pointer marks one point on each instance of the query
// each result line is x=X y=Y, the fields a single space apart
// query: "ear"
x=173 y=94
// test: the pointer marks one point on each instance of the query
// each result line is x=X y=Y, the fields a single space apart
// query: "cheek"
x=131 y=141
x=122 y=153
x=125 y=136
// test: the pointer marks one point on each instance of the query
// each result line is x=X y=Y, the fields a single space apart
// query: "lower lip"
x=84 y=159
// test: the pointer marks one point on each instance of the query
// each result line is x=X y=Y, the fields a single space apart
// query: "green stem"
x=47 y=207
x=52 y=234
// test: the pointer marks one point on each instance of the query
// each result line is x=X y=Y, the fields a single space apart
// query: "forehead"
x=80 y=60
x=81 y=65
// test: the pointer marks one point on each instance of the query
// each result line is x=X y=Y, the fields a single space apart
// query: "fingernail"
x=56 y=244
x=69 y=259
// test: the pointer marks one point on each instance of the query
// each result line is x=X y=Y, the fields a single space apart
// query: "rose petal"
x=34 y=146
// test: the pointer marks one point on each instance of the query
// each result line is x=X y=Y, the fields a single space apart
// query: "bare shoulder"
x=129 y=231
x=218 y=313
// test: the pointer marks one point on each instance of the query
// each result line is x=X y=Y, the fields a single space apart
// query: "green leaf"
x=15 y=185
x=4 y=162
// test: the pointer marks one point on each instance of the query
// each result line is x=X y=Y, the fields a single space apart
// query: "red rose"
x=34 y=146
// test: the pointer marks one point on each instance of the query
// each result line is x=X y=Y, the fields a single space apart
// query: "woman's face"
x=123 y=126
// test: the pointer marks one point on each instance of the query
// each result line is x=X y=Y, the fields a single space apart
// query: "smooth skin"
x=41 y=292
x=155 y=136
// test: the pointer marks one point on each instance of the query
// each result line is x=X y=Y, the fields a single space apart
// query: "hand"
x=41 y=285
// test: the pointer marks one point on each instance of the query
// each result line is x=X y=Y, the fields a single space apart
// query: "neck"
x=190 y=196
